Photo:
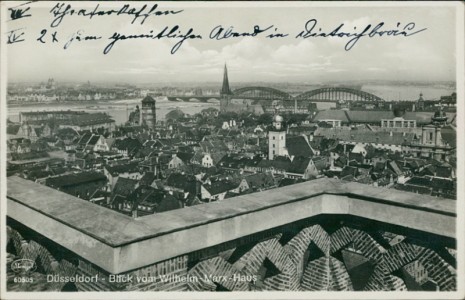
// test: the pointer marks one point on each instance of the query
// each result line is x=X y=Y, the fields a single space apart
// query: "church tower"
x=225 y=92
x=148 y=112
x=277 y=138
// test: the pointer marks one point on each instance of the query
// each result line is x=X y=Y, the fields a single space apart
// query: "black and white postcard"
x=241 y=150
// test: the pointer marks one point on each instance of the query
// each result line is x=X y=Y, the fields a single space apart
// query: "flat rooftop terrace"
x=118 y=243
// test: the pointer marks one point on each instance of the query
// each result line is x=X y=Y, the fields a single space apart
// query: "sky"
x=427 y=56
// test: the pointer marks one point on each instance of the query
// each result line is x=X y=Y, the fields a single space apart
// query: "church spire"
x=225 y=88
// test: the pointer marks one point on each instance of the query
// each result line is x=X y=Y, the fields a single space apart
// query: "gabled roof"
x=168 y=202
x=299 y=165
x=186 y=182
x=298 y=146
x=185 y=156
x=93 y=140
x=259 y=180
x=124 y=186
x=444 y=171
x=394 y=167
x=320 y=163
x=129 y=144
x=115 y=170
x=358 y=157
x=85 y=138
x=449 y=135
x=75 y=179
x=12 y=129
x=349 y=171
x=277 y=164
x=213 y=145
x=221 y=186
x=367 y=136
x=148 y=178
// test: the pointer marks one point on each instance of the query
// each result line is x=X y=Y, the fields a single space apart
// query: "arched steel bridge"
x=328 y=94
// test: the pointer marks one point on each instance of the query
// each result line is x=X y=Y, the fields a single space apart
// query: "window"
x=273 y=145
x=274 y=137
x=281 y=137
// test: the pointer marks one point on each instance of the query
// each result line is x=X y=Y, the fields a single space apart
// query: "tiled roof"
x=320 y=162
x=124 y=186
x=213 y=145
x=93 y=140
x=198 y=156
x=219 y=187
x=259 y=180
x=115 y=170
x=147 y=179
x=184 y=182
x=74 y=179
x=127 y=144
x=167 y=203
x=85 y=138
x=331 y=115
x=185 y=156
x=88 y=119
x=278 y=164
x=298 y=146
x=299 y=165
x=394 y=167
x=449 y=136
x=421 y=181
x=358 y=157
x=238 y=161
x=443 y=171
x=12 y=129
x=367 y=136
x=349 y=171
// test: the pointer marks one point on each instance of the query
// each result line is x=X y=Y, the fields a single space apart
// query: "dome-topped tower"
x=277 y=138
x=421 y=97
x=439 y=118
x=278 y=122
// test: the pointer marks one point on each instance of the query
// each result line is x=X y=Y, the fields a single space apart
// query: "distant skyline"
x=427 y=56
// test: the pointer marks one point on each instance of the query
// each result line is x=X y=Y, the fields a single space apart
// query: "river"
x=120 y=109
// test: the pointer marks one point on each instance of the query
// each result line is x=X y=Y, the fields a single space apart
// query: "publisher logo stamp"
x=23 y=266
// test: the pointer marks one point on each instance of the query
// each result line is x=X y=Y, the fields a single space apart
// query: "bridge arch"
x=257 y=92
x=338 y=93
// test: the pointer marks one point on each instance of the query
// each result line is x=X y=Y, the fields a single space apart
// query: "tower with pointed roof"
x=225 y=91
